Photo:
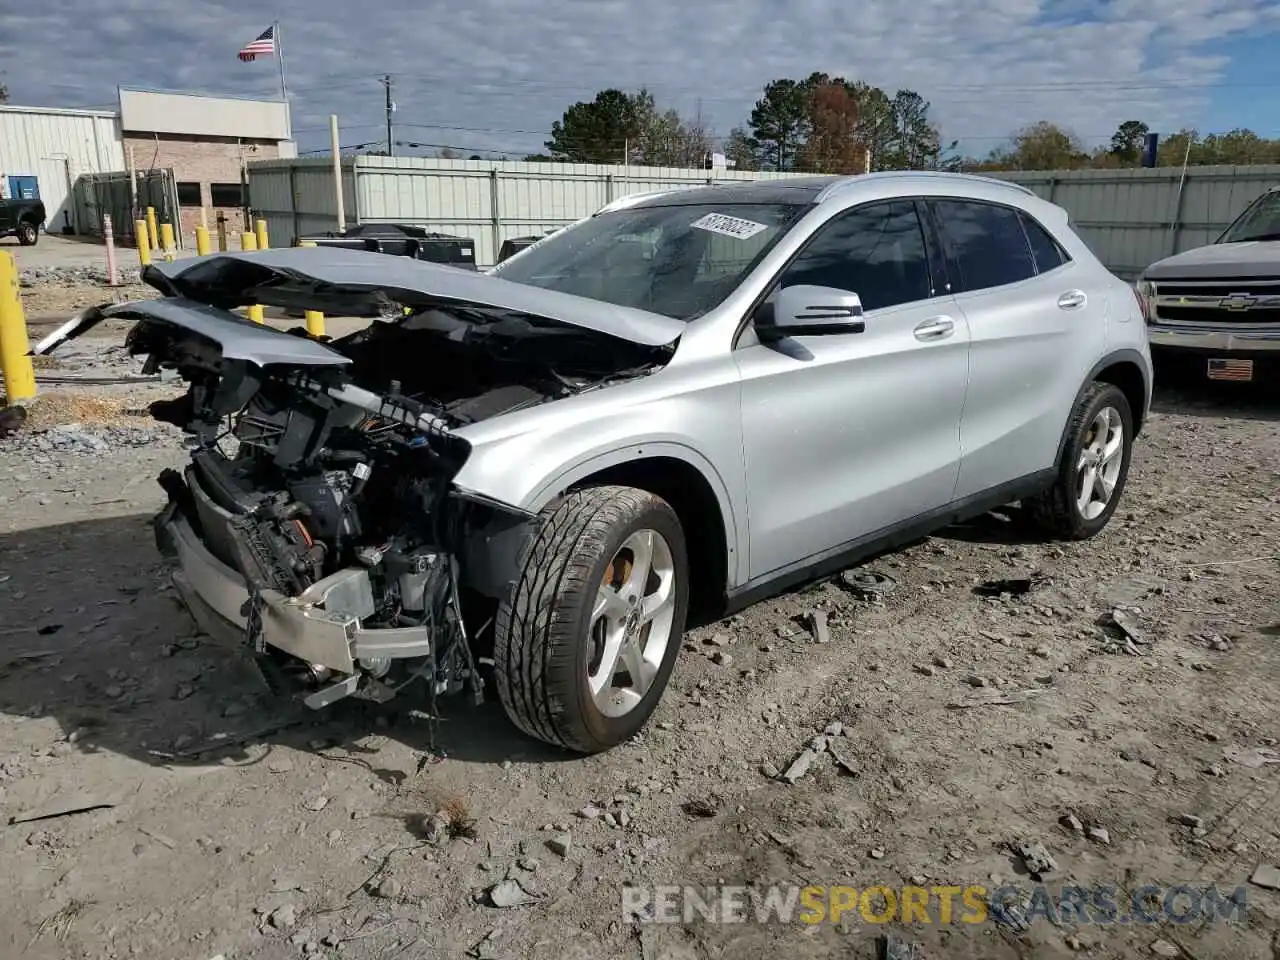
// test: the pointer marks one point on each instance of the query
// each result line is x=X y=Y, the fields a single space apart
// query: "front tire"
x=28 y=234
x=1094 y=467
x=586 y=641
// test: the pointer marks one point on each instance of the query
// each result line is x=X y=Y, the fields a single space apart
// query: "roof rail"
x=846 y=182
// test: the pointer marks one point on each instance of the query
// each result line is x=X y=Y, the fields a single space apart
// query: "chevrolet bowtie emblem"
x=1238 y=301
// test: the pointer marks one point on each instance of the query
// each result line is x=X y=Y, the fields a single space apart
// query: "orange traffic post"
x=141 y=234
x=15 y=365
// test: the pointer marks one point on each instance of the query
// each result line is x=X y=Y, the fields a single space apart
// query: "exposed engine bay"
x=321 y=470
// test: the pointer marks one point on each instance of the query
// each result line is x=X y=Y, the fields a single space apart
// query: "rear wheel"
x=587 y=640
x=1094 y=467
x=28 y=233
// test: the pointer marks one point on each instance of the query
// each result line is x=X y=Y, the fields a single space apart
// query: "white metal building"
x=55 y=146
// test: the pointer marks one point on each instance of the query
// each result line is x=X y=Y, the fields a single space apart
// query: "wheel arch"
x=1124 y=369
x=700 y=503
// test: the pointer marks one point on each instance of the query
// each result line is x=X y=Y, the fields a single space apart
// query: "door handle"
x=935 y=328
x=1072 y=299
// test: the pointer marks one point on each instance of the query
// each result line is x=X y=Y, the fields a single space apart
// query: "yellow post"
x=142 y=236
x=152 y=234
x=249 y=241
x=260 y=228
x=15 y=366
x=166 y=240
x=315 y=318
x=202 y=239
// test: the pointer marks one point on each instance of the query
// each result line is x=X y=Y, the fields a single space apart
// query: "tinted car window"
x=987 y=242
x=876 y=251
x=1048 y=254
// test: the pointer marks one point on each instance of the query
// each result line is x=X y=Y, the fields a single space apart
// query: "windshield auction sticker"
x=728 y=226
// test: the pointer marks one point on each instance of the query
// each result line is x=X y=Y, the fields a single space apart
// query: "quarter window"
x=876 y=251
x=1048 y=253
x=987 y=242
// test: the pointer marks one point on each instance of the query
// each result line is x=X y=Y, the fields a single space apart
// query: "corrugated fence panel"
x=296 y=197
x=1131 y=218
x=485 y=200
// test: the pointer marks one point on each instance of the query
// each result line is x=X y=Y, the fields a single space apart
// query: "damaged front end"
x=317 y=524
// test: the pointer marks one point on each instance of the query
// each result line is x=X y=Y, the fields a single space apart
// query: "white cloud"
x=506 y=70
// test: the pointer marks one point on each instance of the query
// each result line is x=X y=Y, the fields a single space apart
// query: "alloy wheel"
x=631 y=623
x=1098 y=470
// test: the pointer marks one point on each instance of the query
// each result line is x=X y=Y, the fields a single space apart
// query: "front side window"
x=987 y=243
x=877 y=251
x=1260 y=221
x=678 y=260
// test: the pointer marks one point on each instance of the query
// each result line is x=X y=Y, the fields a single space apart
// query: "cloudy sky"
x=492 y=75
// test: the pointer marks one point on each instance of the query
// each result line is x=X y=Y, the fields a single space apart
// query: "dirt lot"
x=215 y=820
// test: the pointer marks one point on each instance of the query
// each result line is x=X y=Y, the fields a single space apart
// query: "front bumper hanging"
x=321 y=626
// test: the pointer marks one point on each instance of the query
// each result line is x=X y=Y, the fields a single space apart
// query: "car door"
x=848 y=434
x=1028 y=311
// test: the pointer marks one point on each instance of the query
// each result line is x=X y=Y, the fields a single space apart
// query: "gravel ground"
x=217 y=821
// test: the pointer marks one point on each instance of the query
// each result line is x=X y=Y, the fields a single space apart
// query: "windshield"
x=1260 y=221
x=679 y=261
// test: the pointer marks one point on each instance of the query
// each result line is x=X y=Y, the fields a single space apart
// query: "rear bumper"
x=1215 y=339
x=315 y=627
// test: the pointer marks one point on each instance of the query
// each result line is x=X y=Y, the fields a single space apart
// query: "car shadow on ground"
x=1193 y=396
x=93 y=637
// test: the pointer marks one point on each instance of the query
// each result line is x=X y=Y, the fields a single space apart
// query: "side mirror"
x=809 y=311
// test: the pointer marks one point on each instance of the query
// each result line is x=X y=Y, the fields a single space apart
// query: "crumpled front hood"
x=235 y=337
x=335 y=272
x=1251 y=259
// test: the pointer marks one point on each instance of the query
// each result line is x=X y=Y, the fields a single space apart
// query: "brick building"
x=78 y=162
x=205 y=141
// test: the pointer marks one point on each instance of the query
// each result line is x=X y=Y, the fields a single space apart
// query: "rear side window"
x=1047 y=251
x=987 y=243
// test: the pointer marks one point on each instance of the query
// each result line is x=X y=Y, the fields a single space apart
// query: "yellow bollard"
x=202 y=239
x=315 y=318
x=166 y=240
x=152 y=235
x=142 y=236
x=249 y=241
x=15 y=366
x=260 y=228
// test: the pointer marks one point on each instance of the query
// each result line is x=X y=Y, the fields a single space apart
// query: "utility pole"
x=391 y=144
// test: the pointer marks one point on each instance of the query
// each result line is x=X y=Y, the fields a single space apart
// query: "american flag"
x=1241 y=370
x=265 y=45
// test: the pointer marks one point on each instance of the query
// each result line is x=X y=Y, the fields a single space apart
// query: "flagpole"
x=284 y=89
